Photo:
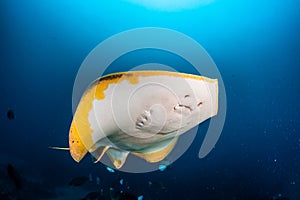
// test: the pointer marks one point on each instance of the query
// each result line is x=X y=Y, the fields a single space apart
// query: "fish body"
x=78 y=181
x=14 y=176
x=10 y=114
x=140 y=112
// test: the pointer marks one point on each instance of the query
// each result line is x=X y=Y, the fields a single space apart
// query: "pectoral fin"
x=117 y=157
x=77 y=149
x=98 y=153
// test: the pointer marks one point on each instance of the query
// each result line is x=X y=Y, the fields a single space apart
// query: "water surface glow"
x=171 y=5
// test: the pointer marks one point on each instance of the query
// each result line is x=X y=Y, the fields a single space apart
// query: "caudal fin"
x=60 y=148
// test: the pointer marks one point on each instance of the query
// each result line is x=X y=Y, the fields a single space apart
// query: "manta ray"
x=141 y=113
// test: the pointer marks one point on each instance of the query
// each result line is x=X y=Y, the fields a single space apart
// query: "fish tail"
x=60 y=148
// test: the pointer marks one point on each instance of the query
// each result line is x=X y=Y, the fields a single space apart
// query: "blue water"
x=255 y=44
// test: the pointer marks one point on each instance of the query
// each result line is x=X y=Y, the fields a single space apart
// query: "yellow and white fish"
x=140 y=112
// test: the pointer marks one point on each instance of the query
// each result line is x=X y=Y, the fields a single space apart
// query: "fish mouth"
x=189 y=106
x=183 y=106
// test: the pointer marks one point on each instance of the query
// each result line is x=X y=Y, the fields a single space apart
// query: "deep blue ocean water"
x=256 y=46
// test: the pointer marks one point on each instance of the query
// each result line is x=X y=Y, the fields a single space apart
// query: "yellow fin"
x=157 y=155
x=117 y=157
x=98 y=153
x=77 y=149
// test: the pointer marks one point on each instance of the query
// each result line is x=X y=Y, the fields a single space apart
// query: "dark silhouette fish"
x=118 y=195
x=93 y=196
x=14 y=176
x=78 y=181
x=10 y=114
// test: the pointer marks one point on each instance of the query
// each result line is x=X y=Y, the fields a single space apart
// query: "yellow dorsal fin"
x=157 y=155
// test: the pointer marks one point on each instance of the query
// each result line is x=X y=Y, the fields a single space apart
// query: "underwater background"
x=256 y=46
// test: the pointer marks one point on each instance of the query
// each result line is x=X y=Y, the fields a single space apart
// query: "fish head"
x=202 y=99
x=195 y=100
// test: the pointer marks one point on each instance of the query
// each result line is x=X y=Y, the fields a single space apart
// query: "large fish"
x=140 y=112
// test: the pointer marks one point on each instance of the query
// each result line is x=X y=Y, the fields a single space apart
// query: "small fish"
x=14 y=176
x=90 y=177
x=111 y=170
x=10 y=114
x=141 y=197
x=78 y=181
x=121 y=181
x=162 y=168
x=97 y=180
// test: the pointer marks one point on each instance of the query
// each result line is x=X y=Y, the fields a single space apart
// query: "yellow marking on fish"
x=174 y=74
x=158 y=155
x=80 y=139
x=102 y=153
x=102 y=86
x=133 y=78
x=77 y=148
x=116 y=163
